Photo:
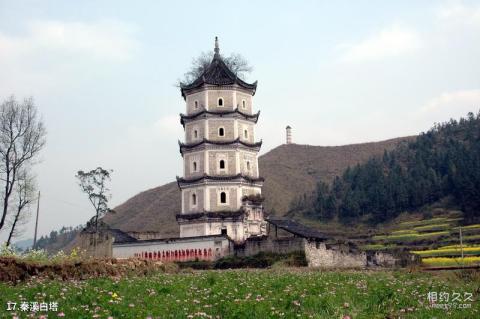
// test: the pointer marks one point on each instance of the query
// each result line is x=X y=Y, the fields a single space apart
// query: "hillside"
x=293 y=170
x=289 y=171
x=151 y=210
x=439 y=164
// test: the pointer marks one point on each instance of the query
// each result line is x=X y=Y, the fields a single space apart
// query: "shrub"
x=261 y=260
x=36 y=255
x=7 y=251
x=195 y=264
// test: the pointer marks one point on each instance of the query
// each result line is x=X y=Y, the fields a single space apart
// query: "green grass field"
x=271 y=293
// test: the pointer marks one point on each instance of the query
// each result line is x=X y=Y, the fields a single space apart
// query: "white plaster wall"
x=235 y=230
x=219 y=247
x=192 y=230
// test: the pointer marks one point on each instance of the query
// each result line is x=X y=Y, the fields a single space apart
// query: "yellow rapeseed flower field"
x=451 y=261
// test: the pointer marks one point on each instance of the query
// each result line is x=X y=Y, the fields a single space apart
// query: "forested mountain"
x=57 y=240
x=443 y=162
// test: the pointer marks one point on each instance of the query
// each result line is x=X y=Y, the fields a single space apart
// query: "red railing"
x=177 y=254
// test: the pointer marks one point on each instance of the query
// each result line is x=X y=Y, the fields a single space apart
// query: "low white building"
x=175 y=249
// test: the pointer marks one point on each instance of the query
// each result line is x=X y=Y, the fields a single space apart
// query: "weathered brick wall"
x=189 y=167
x=189 y=132
x=103 y=246
x=281 y=246
x=214 y=95
x=335 y=256
x=395 y=258
x=200 y=98
x=248 y=102
x=248 y=126
x=214 y=158
x=250 y=157
x=232 y=203
x=187 y=200
x=250 y=190
x=214 y=125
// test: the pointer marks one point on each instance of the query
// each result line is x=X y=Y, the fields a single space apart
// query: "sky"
x=103 y=74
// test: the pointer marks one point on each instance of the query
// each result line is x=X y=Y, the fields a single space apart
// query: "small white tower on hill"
x=289 y=134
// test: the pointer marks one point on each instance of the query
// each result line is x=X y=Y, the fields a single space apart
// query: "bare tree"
x=238 y=65
x=235 y=62
x=24 y=196
x=22 y=136
x=94 y=184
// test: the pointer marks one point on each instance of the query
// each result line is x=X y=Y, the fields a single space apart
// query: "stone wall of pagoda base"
x=234 y=230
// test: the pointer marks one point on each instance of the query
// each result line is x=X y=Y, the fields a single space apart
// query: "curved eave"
x=252 y=117
x=186 y=147
x=209 y=215
x=186 y=89
x=239 y=177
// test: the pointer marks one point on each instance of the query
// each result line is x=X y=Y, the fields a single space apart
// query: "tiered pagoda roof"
x=237 y=142
x=217 y=73
x=236 y=112
x=208 y=215
x=224 y=178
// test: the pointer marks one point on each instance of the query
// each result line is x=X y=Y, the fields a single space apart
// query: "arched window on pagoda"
x=222 y=164
x=196 y=104
x=220 y=101
x=195 y=134
x=221 y=131
x=244 y=104
x=194 y=166
x=245 y=133
x=223 y=198
x=194 y=199
x=248 y=166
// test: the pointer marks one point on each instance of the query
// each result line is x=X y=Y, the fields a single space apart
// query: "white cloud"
x=106 y=40
x=390 y=42
x=456 y=102
x=458 y=12
x=164 y=128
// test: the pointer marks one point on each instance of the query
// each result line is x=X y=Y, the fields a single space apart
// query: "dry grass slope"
x=289 y=170
x=294 y=169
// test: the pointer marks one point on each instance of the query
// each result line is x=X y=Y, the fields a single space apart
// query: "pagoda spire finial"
x=217 y=49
